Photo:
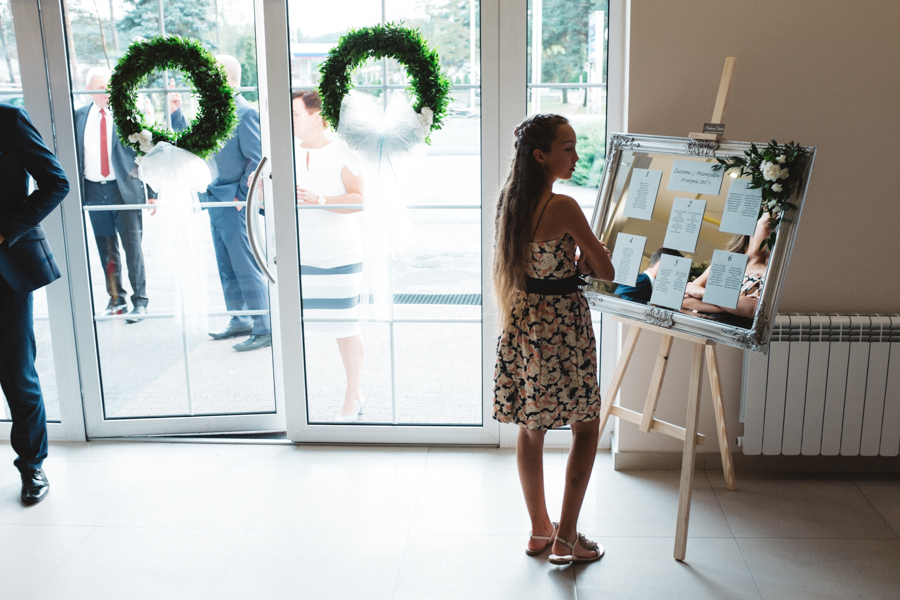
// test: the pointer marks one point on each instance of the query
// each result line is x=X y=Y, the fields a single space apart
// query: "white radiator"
x=829 y=385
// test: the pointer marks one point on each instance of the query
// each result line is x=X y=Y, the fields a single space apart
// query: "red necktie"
x=104 y=149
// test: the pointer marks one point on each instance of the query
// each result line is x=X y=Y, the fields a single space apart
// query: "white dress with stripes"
x=331 y=251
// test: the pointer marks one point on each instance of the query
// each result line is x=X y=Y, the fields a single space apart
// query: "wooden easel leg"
x=659 y=371
x=618 y=375
x=715 y=384
x=690 y=447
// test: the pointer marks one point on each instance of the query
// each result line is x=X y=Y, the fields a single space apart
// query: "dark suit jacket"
x=239 y=158
x=26 y=261
x=640 y=292
x=130 y=187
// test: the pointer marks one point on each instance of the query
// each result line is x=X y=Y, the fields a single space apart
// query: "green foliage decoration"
x=408 y=46
x=777 y=170
x=216 y=117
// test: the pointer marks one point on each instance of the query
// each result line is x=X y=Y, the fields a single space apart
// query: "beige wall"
x=820 y=72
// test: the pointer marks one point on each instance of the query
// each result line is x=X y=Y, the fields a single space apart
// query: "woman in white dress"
x=331 y=251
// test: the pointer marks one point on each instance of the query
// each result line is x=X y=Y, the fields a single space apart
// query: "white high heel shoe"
x=352 y=416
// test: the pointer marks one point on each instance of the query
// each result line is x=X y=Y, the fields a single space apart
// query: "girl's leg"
x=352 y=354
x=585 y=436
x=530 y=459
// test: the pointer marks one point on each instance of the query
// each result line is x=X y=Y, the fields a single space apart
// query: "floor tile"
x=643 y=567
x=449 y=567
x=472 y=501
x=645 y=503
x=806 y=569
x=361 y=456
x=885 y=497
x=236 y=454
x=786 y=508
x=485 y=458
x=332 y=497
x=81 y=493
x=29 y=553
x=214 y=496
x=278 y=564
x=117 y=452
x=118 y=562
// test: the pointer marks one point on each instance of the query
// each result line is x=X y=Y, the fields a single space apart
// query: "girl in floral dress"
x=546 y=373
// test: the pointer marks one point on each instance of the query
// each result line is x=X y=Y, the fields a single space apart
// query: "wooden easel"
x=701 y=347
x=688 y=434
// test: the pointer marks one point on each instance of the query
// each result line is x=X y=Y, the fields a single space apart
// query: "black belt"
x=554 y=287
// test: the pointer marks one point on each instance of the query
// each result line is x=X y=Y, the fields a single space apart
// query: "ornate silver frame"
x=757 y=337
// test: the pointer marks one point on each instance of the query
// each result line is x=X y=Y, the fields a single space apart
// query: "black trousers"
x=19 y=379
x=109 y=227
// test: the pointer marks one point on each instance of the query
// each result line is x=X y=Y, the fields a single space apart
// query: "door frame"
x=503 y=102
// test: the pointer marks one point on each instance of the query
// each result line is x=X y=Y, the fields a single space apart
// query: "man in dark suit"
x=242 y=279
x=108 y=176
x=26 y=264
x=643 y=287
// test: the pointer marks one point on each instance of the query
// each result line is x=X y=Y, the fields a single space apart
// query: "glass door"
x=181 y=333
x=390 y=286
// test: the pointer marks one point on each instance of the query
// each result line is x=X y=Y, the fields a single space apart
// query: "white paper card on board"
x=684 y=224
x=671 y=280
x=642 y=194
x=629 y=250
x=695 y=177
x=741 y=208
x=726 y=275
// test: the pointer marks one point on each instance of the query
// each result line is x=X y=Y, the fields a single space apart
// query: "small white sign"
x=726 y=275
x=628 y=252
x=741 y=208
x=684 y=224
x=642 y=193
x=695 y=177
x=671 y=280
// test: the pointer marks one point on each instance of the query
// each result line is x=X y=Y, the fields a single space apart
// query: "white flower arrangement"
x=772 y=171
x=426 y=118
x=775 y=170
x=144 y=139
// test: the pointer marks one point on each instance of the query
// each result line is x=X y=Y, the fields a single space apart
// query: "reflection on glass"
x=426 y=261
x=162 y=360
x=722 y=239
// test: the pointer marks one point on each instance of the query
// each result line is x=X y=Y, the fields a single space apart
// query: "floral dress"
x=546 y=372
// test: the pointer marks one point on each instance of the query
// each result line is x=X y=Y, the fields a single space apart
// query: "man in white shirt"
x=109 y=177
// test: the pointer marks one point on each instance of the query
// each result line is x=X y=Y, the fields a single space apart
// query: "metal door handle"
x=252 y=234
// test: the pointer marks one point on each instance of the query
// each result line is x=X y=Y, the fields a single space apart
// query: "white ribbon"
x=382 y=137
x=178 y=176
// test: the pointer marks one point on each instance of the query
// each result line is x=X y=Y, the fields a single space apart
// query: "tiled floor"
x=161 y=521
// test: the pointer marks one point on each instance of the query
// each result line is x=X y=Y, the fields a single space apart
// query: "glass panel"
x=327 y=388
x=450 y=355
x=567 y=44
x=569 y=39
x=415 y=258
x=192 y=271
x=11 y=94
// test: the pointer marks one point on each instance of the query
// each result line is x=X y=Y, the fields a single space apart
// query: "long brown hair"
x=738 y=244
x=519 y=198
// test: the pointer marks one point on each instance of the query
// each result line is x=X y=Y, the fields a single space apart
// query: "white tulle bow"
x=375 y=132
x=167 y=166
x=178 y=176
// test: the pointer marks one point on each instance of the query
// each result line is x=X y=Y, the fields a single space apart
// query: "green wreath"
x=407 y=45
x=216 y=115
